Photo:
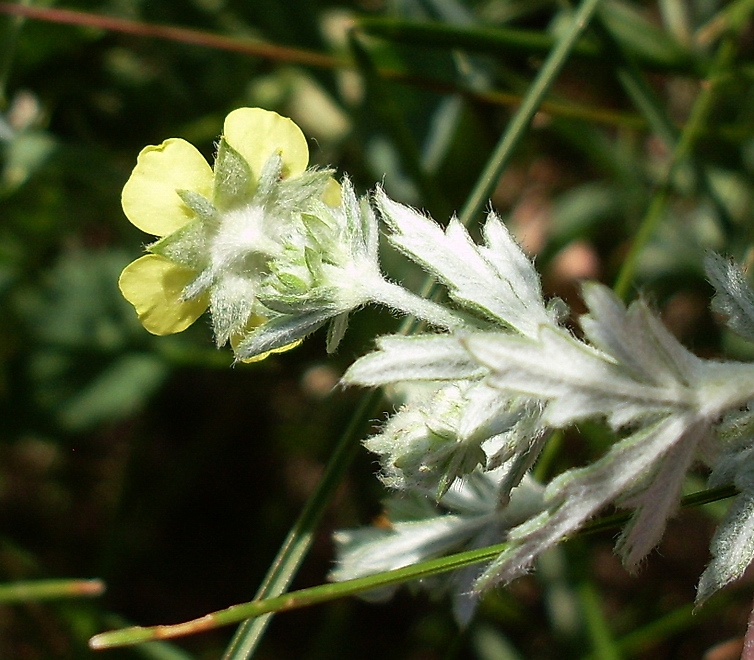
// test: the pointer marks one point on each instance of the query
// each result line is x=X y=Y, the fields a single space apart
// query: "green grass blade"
x=682 y=618
x=693 y=130
x=647 y=102
x=151 y=650
x=385 y=106
x=35 y=590
x=299 y=539
x=521 y=120
x=294 y=600
x=506 y=41
x=597 y=626
x=10 y=29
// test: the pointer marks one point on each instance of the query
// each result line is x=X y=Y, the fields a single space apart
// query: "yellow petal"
x=149 y=198
x=257 y=134
x=153 y=285
x=332 y=195
x=266 y=354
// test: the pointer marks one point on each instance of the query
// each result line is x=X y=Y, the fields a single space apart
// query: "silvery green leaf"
x=286 y=302
x=419 y=446
x=421 y=357
x=734 y=297
x=510 y=430
x=489 y=412
x=657 y=501
x=297 y=194
x=280 y=332
x=575 y=379
x=360 y=227
x=578 y=494
x=372 y=550
x=523 y=448
x=634 y=367
x=736 y=433
x=200 y=205
x=318 y=225
x=268 y=186
x=431 y=441
x=633 y=373
x=732 y=546
x=231 y=302
x=419 y=528
x=496 y=280
x=636 y=339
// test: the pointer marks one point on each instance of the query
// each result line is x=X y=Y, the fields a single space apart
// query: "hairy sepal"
x=279 y=332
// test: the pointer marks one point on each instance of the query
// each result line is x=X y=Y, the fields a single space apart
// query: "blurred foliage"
x=149 y=463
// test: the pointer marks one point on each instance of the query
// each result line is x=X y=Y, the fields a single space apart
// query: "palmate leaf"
x=633 y=369
x=635 y=374
x=577 y=495
x=495 y=280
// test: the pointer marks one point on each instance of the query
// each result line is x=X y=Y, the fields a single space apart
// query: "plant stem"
x=397 y=298
x=178 y=34
x=298 y=541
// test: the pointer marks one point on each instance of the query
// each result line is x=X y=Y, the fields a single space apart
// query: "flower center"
x=243 y=234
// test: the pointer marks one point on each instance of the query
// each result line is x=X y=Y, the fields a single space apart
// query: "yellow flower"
x=205 y=220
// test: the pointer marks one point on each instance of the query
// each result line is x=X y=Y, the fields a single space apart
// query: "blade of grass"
x=530 y=105
x=731 y=18
x=299 y=539
x=292 y=600
x=646 y=101
x=327 y=592
x=34 y=590
x=511 y=41
x=692 y=131
x=151 y=650
x=598 y=629
x=682 y=618
x=383 y=103
x=9 y=40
